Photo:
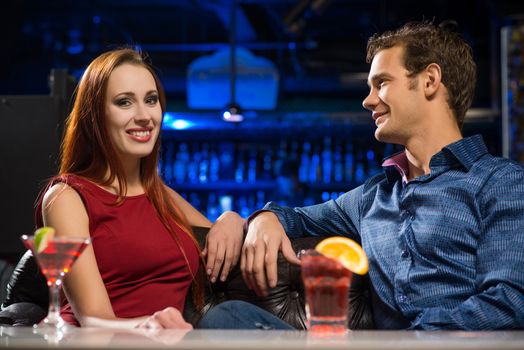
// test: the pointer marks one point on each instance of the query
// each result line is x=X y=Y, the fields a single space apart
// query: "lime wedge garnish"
x=42 y=236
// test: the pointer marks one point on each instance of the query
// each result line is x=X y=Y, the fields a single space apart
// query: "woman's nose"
x=142 y=113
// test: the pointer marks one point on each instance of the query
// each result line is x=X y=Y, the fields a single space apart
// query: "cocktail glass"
x=55 y=262
x=327 y=293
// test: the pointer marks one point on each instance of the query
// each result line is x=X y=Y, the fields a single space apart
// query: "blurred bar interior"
x=293 y=71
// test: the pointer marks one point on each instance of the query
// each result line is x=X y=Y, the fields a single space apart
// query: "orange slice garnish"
x=346 y=251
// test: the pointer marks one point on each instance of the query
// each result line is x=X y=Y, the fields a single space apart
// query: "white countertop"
x=103 y=338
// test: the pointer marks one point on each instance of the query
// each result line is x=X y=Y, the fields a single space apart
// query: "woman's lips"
x=140 y=135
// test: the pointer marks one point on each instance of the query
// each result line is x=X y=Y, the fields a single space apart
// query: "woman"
x=144 y=257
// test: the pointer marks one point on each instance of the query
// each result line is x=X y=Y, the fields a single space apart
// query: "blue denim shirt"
x=446 y=250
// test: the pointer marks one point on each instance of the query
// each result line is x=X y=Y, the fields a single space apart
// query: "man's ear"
x=432 y=79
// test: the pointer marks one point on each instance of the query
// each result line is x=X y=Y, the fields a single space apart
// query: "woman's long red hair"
x=87 y=149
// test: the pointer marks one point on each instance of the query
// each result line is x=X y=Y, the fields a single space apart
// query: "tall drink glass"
x=327 y=293
x=55 y=261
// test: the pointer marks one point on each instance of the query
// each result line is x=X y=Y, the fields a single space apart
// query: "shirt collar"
x=395 y=165
x=465 y=151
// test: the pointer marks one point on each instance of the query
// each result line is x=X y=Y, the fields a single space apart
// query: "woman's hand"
x=166 y=318
x=223 y=245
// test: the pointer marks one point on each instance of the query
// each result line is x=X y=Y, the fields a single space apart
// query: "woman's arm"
x=167 y=318
x=64 y=210
x=223 y=242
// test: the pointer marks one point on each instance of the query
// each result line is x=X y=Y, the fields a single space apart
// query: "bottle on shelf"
x=305 y=160
x=373 y=167
x=213 y=207
x=252 y=167
x=226 y=160
x=181 y=161
x=267 y=166
x=214 y=166
x=226 y=203
x=240 y=168
x=203 y=167
x=281 y=156
x=327 y=160
x=241 y=206
x=360 y=171
x=338 y=165
x=349 y=163
x=261 y=200
x=167 y=171
x=314 y=167
x=193 y=166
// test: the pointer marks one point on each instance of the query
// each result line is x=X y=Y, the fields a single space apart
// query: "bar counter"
x=103 y=338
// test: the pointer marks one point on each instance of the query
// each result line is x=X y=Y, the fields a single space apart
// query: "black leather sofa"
x=27 y=296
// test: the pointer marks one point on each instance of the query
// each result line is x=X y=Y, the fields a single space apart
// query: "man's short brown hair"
x=425 y=43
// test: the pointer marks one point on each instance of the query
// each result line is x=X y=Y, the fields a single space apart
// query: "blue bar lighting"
x=172 y=123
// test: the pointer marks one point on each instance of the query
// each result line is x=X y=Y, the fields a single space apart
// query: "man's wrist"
x=252 y=217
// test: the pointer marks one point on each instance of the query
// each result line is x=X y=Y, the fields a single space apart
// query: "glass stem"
x=53 y=315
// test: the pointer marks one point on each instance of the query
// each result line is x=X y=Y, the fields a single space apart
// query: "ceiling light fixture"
x=233 y=112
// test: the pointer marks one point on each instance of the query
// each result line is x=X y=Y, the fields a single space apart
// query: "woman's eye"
x=123 y=102
x=152 y=100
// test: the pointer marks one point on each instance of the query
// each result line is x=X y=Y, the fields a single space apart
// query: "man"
x=443 y=226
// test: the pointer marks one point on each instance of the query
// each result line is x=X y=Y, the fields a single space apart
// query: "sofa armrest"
x=24 y=314
x=27 y=284
x=27 y=295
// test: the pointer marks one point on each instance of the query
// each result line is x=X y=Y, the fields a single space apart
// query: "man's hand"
x=265 y=237
x=166 y=318
x=223 y=245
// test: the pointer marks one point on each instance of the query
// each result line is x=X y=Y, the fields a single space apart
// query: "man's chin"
x=385 y=137
x=382 y=135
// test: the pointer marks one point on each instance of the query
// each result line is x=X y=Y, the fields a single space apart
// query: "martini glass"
x=55 y=261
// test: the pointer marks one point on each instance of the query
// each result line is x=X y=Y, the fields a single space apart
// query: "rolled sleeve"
x=338 y=217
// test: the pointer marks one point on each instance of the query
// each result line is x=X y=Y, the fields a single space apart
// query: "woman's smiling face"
x=133 y=111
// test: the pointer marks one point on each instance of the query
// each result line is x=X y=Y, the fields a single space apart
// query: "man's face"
x=394 y=98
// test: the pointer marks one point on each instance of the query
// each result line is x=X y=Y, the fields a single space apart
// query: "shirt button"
x=405 y=254
x=402 y=298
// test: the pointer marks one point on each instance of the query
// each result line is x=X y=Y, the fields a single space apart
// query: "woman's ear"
x=432 y=79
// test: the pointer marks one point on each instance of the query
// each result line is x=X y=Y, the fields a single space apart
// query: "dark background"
x=318 y=48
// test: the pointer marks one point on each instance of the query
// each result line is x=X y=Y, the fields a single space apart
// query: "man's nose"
x=370 y=101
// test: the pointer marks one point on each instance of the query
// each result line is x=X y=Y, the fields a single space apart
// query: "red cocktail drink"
x=327 y=291
x=55 y=261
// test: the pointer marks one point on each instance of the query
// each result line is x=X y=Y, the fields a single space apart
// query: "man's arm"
x=499 y=303
x=268 y=233
x=338 y=217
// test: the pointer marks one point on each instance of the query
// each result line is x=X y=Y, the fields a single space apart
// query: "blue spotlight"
x=171 y=123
